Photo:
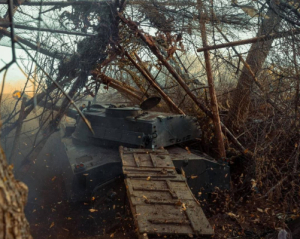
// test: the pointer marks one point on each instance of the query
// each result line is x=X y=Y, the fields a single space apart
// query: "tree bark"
x=13 y=197
x=255 y=60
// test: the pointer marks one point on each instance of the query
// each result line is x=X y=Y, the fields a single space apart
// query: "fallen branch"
x=119 y=86
x=166 y=98
x=108 y=80
x=31 y=45
x=252 y=40
x=18 y=26
x=150 y=43
x=136 y=80
x=62 y=3
x=274 y=187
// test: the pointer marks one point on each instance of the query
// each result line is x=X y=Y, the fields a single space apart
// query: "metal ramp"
x=160 y=199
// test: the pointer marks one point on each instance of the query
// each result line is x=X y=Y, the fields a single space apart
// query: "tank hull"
x=102 y=165
x=94 y=158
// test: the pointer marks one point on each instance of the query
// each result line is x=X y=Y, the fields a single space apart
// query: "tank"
x=92 y=149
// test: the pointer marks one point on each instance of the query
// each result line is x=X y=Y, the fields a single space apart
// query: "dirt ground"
x=49 y=211
x=52 y=215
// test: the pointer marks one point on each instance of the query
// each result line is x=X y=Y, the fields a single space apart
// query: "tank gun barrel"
x=69 y=112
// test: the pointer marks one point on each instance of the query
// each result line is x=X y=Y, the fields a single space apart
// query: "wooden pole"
x=125 y=91
x=6 y=24
x=251 y=40
x=166 y=98
x=119 y=87
x=61 y=3
x=108 y=80
x=144 y=67
x=212 y=92
x=137 y=81
x=151 y=44
x=14 y=150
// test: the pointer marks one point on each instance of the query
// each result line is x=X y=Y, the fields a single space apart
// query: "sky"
x=15 y=80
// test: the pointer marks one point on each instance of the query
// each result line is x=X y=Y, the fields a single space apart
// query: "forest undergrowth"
x=263 y=201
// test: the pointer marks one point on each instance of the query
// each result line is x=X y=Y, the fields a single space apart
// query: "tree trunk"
x=255 y=59
x=13 y=197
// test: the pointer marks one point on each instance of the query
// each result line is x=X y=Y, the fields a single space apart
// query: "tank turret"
x=132 y=126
